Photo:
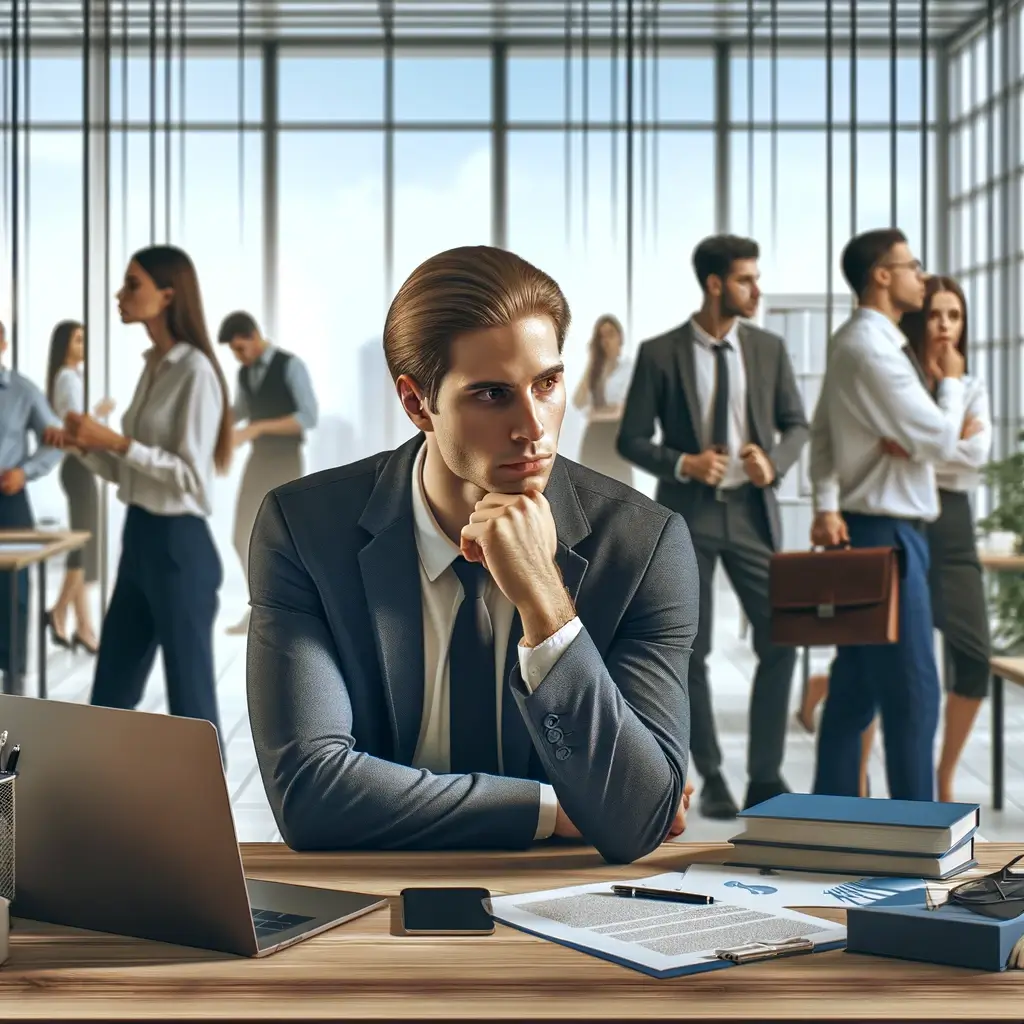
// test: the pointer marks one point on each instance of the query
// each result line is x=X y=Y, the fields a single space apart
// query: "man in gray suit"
x=720 y=390
x=472 y=642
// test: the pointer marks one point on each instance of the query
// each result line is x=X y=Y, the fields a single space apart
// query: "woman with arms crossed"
x=176 y=436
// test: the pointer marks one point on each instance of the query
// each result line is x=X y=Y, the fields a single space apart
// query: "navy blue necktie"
x=720 y=409
x=472 y=687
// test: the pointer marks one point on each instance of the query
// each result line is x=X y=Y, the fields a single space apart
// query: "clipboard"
x=752 y=952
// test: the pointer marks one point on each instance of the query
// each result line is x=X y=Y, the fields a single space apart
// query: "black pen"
x=12 y=760
x=672 y=895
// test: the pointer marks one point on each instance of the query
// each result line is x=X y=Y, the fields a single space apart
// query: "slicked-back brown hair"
x=459 y=291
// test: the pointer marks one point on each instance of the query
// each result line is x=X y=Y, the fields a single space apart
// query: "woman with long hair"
x=601 y=394
x=176 y=435
x=65 y=390
x=956 y=581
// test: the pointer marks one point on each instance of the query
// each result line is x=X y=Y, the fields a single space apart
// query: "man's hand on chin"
x=513 y=536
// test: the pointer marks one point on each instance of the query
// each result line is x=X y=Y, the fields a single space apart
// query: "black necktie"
x=720 y=413
x=473 y=738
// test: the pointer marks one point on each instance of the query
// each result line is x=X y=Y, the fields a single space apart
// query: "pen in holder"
x=7 y=835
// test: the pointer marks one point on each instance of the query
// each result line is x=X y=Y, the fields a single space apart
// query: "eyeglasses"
x=914 y=265
x=1000 y=894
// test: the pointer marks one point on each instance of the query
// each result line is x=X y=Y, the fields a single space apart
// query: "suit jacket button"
x=563 y=753
x=550 y=721
x=555 y=735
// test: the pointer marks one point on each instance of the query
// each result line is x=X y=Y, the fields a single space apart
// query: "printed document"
x=657 y=937
x=771 y=889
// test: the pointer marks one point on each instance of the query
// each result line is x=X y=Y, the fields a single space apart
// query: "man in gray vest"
x=276 y=402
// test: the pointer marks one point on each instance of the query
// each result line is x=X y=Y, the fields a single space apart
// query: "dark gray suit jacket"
x=664 y=390
x=335 y=671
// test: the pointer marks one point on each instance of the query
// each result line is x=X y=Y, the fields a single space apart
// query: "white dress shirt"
x=962 y=472
x=704 y=368
x=871 y=391
x=173 y=423
x=442 y=594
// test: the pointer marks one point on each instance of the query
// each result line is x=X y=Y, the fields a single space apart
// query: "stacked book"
x=857 y=835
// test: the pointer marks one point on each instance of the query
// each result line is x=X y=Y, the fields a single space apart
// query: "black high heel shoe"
x=55 y=638
x=77 y=641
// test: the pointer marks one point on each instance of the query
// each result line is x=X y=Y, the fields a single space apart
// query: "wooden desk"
x=360 y=971
x=49 y=544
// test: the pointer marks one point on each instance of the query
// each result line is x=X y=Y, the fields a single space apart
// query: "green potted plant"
x=1006 y=478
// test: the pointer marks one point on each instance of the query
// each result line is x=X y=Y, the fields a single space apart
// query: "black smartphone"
x=446 y=911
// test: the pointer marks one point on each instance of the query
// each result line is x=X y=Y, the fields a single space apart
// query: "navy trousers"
x=15 y=514
x=901 y=680
x=166 y=596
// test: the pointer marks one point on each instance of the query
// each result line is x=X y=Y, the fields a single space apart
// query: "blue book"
x=951 y=935
x=926 y=828
x=828 y=859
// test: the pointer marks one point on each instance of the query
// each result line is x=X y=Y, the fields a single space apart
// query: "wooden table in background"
x=1001 y=563
x=361 y=971
x=992 y=562
x=51 y=543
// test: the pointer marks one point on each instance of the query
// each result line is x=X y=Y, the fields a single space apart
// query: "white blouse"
x=616 y=384
x=173 y=423
x=68 y=392
x=963 y=471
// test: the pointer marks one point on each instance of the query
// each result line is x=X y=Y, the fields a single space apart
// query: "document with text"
x=658 y=937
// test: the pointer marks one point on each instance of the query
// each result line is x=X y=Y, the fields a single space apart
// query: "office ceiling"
x=672 y=21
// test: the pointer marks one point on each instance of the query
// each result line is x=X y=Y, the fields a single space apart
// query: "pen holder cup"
x=7 y=836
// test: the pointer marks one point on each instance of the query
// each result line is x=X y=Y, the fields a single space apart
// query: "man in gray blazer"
x=721 y=390
x=472 y=642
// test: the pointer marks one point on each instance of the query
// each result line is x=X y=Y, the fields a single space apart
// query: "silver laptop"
x=123 y=824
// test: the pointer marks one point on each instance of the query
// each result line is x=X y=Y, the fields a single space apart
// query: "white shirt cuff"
x=548 y=812
x=536 y=662
x=137 y=455
x=826 y=496
x=951 y=390
x=679 y=474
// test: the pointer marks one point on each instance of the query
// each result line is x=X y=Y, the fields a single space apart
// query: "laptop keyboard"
x=270 y=921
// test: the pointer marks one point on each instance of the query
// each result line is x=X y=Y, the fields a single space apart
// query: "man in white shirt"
x=472 y=642
x=732 y=424
x=873 y=388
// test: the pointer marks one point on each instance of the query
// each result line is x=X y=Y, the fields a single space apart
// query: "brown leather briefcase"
x=835 y=597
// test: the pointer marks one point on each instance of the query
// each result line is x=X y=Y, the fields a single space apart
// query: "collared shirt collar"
x=732 y=335
x=435 y=548
x=878 y=319
x=5 y=376
x=265 y=356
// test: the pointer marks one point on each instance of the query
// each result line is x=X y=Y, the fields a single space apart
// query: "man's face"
x=738 y=294
x=902 y=275
x=501 y=405
x=246 y=349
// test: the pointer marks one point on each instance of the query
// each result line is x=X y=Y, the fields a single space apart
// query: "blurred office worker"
x=721 y=389
x=65 y=388
x=275 y=400
x=873 y=389
x=23 y=411
x=471 y=641
x=176 y=434
x=601 y=394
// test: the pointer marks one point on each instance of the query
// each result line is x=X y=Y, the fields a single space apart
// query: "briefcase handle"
x=844 y=546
